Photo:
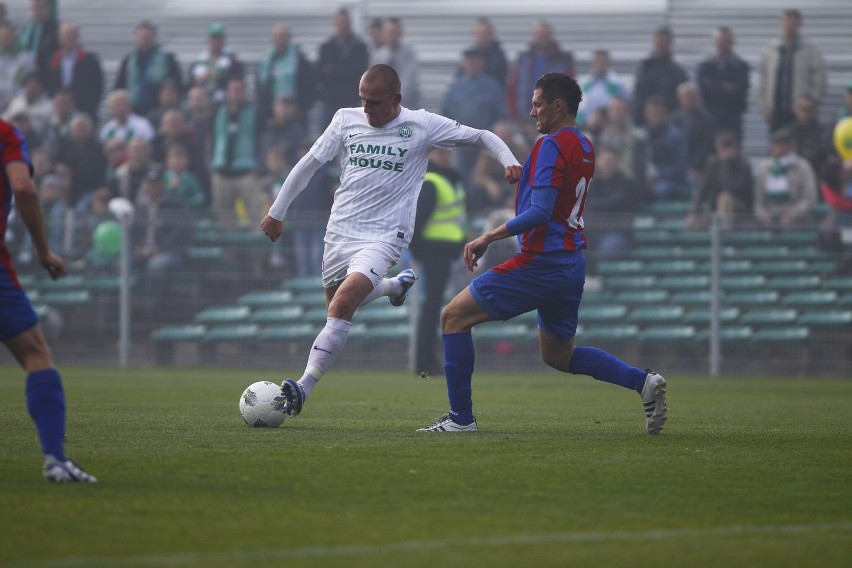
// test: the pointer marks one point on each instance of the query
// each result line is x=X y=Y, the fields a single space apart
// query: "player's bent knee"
x=31 y=350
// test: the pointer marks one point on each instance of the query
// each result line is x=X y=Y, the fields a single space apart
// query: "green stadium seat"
x=782 y=334
x=811 y=253
x=644 y=315
x=822 y=318
x=106 y=284
x=642 y=297
x=767 y=252
x=223 y=314
x=691 y=298
x=391 y=333
x=310 y=299
x=41 y=310
x=730 y=266
x=727 y=333
x=501 y=332
x=778 y=267
x=277 y=314
x=66 y=298
x=752 y=297
x=702 y=315
x=684 y=282
x=299 y=285
x=669 y=223
x=232 y=333
x=602 y=313
x=743 y=282
x=530 y=319
x=316 y=315
x=606 y=333
x=838 y=283
x=620 y=267
x=27 y=281
x=793 y=282
x=178 y=333
x=291 y=332
x=814 y=298
x=672 y=208
x=72 y=282
x=633 y=282
x=667 y=333
x=797 y=237
x=267 y=298
x=769 y=316
x=385 y=314
x=845 y=299
x=668 y=267
x=744 y=238
x=653 y=236
x=657 y=252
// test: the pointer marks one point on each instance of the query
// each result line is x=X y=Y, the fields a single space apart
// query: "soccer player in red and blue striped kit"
x=19 y=329
x=549 y=271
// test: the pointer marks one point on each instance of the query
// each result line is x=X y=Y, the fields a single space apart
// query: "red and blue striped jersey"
x=564 y=160
x=13 y=148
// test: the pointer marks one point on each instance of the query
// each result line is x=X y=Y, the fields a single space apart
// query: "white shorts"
x=343 y=256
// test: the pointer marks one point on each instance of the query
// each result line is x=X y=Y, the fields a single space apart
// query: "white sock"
x=324 y=352
x=387 y=287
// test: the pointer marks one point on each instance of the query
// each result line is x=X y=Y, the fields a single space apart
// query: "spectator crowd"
x=215 y=137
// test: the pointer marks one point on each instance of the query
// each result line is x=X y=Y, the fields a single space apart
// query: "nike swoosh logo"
x=374 y=272
x=321 y=349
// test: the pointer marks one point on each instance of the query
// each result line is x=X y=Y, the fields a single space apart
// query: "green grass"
x=748 y=472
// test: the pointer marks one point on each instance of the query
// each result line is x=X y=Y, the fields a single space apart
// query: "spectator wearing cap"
x=215 y=66
x=402 y=57
x=124 y=124
x=160 y=235
x=39 y=34
x=790 y=68
x=284 y=72
x=144 y=70
x=342 y=60
x=658 y=75
x=785 y=191
x=723 y=80
x=475 y=99
x=33 y=102
x=76 y=70
x=599 y=86
x=15 y=64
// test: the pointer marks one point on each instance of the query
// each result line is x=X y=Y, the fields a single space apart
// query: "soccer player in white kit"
x=382 y=149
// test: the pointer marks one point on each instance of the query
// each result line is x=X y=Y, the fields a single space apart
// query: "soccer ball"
x=263 y=405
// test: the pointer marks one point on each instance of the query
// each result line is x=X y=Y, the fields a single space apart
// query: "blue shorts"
x=551 y=284
x=16 y=312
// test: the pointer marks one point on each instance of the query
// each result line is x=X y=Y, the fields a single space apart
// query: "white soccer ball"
x=263 y=405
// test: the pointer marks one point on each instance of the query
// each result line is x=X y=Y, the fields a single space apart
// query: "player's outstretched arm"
x=27 y=202
x=273 y=225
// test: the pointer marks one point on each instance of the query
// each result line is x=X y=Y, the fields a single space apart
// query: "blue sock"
x=603 y=366
x=458 y=366
x=46 y=404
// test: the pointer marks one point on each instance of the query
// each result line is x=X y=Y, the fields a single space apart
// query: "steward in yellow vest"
x=440 y=231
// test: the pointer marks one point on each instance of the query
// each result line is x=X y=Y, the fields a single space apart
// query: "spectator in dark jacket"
x=284 y=72
x=343 y=58
x=484 y=42
x=697 y=127
x=726 y=187
x=73 y=68
x=813 y=140
x=658 y=75
x=668 y=153
x=723 y=80
x=39 y=35
x=83 y=155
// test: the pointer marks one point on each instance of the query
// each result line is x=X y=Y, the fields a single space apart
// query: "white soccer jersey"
x=382 y=170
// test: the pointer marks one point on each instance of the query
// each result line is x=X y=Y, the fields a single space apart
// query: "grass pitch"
x=747 y=472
